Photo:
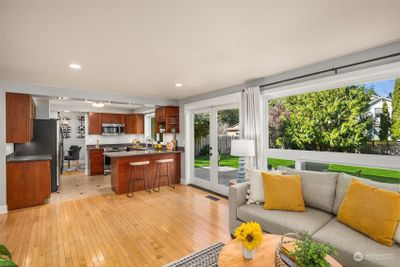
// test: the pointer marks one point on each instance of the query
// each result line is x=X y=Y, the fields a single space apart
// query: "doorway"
x=213 y=129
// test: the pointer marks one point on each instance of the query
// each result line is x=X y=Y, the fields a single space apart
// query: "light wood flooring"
x=110 y=230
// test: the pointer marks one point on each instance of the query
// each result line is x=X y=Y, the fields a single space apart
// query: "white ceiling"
x=141 y=48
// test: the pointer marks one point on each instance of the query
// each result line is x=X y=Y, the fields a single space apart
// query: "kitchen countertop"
x=137 y=153
x=102 y=146
x=13 y=158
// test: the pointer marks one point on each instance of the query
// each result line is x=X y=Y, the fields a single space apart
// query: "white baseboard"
x=3 y=209
x=183 y=181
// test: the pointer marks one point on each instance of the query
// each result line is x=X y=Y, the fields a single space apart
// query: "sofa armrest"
x=237 y=198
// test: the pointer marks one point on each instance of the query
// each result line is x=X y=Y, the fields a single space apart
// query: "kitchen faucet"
x=150 y=140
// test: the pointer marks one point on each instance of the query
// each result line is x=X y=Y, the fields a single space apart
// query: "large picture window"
x=360 y=118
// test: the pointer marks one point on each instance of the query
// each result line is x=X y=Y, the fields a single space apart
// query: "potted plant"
x=5 y=257
x=309 y=253
x=251 y=237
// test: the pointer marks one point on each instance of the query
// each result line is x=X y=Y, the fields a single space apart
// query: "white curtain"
x=250 y=122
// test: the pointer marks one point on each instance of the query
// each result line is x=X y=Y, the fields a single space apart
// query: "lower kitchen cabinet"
x=96 y=161
x=28 y=183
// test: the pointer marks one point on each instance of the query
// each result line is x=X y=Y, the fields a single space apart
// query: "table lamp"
x=242 y=148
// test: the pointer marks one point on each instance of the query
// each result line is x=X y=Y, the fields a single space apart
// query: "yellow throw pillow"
x=372 y=211
x=283 y=192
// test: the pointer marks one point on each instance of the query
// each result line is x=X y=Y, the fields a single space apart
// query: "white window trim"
x=147 y=124
x=387 y=71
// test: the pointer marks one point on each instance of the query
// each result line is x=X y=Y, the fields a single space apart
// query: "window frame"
x=386 y=71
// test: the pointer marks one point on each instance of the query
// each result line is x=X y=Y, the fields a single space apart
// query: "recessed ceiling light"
x=178 y=85
x=75 y=66
x=98 y=104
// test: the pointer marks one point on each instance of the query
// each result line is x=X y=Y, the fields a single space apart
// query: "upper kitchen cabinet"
x=134 y=124
x=95 y=123
x=20 y=113
x=112 y=118
x=167 y=118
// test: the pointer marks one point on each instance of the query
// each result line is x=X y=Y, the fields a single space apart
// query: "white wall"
x=9 y=148
x=73 y=140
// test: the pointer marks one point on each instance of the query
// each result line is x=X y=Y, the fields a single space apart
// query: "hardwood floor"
x=110 y=230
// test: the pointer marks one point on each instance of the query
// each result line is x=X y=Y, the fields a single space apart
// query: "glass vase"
x=247 y=253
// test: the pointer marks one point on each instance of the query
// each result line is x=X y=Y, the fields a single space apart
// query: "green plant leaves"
x=5 y=257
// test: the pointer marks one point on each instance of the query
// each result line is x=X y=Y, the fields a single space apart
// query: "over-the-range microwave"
x=112 y=129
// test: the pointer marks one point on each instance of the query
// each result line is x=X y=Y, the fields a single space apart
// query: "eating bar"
x=164 y=165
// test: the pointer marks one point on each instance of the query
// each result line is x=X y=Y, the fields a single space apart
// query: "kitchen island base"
x=121 y=170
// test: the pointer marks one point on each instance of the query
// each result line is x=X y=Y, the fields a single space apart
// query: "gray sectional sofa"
x=323 y=194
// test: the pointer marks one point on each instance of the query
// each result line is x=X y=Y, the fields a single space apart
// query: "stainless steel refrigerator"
x=47 y=140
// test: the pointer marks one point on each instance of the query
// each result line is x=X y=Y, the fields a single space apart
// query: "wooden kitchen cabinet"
x=28 y=183
x=168 y=118
x=95 y=123
x=20 y=113
x=112 y=118
x=134 y=123
x=96 y=161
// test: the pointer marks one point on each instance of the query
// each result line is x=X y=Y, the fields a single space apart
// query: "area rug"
x=207 y=257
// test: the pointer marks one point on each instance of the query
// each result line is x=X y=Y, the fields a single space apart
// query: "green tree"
x=229 y=116
x=201 y=128
x=332 y=120
x=395 y=129
x=385 y=123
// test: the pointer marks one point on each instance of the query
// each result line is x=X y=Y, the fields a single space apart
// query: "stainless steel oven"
x=112 y=129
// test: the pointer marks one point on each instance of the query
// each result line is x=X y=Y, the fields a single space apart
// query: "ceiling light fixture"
x=178 y=85
x=98 y=104
x=75 y=66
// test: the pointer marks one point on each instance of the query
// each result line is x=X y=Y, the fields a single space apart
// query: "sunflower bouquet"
x=250 y=234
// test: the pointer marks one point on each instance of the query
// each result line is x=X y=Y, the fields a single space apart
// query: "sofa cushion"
x=282 y=222
x=256 y=192
x=348 y=242
x=283 y=192
x=319 y=188
x=343 y=182
x=372 y=211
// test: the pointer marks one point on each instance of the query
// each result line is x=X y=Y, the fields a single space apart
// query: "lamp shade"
x=243 y=148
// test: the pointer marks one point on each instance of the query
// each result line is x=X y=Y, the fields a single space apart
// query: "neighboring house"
x=233 y=131
x=375 y=108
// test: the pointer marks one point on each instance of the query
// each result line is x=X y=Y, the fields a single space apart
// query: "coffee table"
x=231 y=254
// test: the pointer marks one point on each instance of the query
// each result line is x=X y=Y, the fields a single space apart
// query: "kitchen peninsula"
x=120 y=168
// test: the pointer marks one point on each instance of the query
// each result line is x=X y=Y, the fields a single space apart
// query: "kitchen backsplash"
x=119 y=139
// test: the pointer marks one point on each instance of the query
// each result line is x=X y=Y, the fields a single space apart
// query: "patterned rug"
x=207 y=257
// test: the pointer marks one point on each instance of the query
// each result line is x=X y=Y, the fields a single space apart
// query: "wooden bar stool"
x=136 y=166
x=160 y=163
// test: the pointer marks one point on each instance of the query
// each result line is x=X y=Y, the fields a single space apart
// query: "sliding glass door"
x=213 y=130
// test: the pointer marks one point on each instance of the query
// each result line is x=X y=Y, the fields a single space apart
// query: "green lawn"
x=381 y=175
x=226 y=160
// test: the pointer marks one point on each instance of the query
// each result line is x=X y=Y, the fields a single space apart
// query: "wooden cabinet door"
x=107 y=118
x=95 y=123
x=19 y=118
x=134 y=123
x=130 y=123
x=119 y=118
x=139 y=124
x=96 y=161
x=28 y=183
x=160 y=115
